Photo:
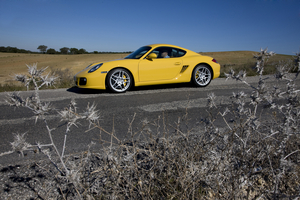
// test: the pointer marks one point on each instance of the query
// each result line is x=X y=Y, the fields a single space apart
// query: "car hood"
x=108 y=64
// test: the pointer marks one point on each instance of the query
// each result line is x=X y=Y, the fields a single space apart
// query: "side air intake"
x=184 y=67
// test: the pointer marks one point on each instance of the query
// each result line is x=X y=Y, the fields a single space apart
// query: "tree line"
x=45 y=50
x=64 y=50
x=9 y=49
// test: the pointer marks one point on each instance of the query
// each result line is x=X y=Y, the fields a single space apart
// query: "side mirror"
x=151 y=56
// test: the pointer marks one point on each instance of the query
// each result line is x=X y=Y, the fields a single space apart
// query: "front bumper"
x=80 y=81
x=90 y=81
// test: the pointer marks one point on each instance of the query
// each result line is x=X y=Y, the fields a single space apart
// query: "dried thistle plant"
x=19 y=144
x=259 y=151
x=40 y=109
x=261 y=59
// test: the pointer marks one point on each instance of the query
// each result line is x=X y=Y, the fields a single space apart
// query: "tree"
x=82 y=51
x=42 y=48
x=74 y=51
x=64 y=50
x=2 y=49
x=14 y=50
x=51 y=51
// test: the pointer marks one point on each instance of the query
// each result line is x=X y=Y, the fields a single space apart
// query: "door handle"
x=177 y=63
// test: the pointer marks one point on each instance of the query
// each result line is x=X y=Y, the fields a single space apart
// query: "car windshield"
x=138 y=53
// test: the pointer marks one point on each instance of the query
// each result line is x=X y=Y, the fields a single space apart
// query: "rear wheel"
x=202 y=75
x=119 y=80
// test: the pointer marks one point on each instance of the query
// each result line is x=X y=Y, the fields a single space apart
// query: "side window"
x=163 y=52
x=168 y=52
x=178 y=52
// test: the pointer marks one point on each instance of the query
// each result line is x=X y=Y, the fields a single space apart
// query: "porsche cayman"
x=150 y=65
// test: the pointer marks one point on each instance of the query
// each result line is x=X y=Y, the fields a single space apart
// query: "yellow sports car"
x=150 y=65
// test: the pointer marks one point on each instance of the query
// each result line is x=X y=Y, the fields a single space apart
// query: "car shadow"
x=140 y=88
x=78 y=90
x=161 y=87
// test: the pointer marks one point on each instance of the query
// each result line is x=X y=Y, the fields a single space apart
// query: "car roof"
x=190 y=52
x=164 y=45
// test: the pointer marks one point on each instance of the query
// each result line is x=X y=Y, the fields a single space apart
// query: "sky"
x=126 y=25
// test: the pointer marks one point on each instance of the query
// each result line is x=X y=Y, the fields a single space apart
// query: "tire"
x=202 y=75
x=119 y=80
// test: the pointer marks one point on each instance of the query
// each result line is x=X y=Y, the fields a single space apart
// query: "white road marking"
x=174 y=105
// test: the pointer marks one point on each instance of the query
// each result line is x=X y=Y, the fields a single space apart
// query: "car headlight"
x=95 y=68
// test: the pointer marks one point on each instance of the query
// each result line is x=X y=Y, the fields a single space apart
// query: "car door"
x=159 y=69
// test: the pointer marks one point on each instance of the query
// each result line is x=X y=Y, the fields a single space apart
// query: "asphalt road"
x=162 y=106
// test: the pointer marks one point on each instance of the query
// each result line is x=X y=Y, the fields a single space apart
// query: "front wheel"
x=202 y=75
x=119 y=80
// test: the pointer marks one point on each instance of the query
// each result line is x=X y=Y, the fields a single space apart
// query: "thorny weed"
x=266 y=144
x=66 y=168
x=255 y=155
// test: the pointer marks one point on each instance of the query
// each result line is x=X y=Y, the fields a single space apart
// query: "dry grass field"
x=243 y=60
x=15 y=63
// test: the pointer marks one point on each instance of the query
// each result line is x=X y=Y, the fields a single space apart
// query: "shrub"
x=64 y=77
x=11 y=87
